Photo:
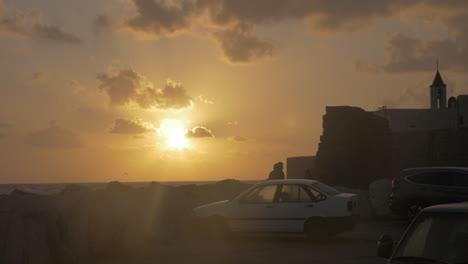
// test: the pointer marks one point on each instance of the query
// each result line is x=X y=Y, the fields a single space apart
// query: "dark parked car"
x=416 y=188
x=439 y=234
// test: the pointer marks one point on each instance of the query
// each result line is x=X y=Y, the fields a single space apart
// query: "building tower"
x=438 y=92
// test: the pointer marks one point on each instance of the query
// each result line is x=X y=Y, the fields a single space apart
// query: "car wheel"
x=318 y=229
x=414 y=209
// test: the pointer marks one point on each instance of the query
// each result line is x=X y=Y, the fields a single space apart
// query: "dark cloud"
x=409 y=54
x=104 y=22
x=161 y=18
x=126 y=86
x=54 y=137
x=235 y=21
x=199 y=132
x=31 y=25
x=38 y=76
x=240 y=44
x=132 y=127
x=237 y=138
x=15 y=24
x=167 y=17
x=54 y=33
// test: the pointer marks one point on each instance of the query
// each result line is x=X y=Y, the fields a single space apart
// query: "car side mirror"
x=385 y=246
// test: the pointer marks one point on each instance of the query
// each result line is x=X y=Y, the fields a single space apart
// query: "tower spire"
x=437 y=64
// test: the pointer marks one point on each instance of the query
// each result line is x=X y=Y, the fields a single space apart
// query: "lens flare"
x=172 y=132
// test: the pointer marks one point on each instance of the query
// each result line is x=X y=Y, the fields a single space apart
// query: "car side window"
x=316 y=195
x=305 y=196
x=293 y=193
x=261 y=195
x=289 y=194
x=460 y=179
x=440 y=178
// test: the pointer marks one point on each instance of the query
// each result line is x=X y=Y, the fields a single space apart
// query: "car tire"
x=318 y=229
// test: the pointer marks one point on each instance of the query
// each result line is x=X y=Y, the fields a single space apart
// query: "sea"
x=54 y=188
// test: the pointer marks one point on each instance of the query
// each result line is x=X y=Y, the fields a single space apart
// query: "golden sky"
x=173 y=90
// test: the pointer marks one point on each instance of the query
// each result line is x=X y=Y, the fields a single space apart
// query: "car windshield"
x=325 y=188
x=437 y=237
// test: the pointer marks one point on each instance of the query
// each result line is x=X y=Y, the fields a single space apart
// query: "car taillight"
x=396 y=183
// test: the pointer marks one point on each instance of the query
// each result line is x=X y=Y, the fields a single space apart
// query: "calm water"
x=52 y=188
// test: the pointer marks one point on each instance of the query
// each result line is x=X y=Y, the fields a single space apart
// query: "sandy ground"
x=357 y=246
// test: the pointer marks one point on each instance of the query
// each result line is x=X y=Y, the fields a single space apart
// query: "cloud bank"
x=128 y=86
x=32 y=25
x=232 y=25
x=199 y=132
x=130 y=127
x=54 y=137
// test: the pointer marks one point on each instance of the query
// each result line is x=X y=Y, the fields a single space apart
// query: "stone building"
x=358 y=147
x=442 y=114
x=355 y=148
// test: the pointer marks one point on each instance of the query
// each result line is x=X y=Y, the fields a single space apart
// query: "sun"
x=172 y=132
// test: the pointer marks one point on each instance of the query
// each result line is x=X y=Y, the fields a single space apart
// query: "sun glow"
x=172 y=132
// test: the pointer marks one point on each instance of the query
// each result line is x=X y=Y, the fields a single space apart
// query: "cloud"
x=31 y=25
x=104 y=22
x=409 y=54
x=128 y=86
x=161 y=18
x=54 y=137
x=204 y=100
x=238 y=138
x=54 y=33
x=130 y=127
x=38 y=76
x=240 y=44
x=233 y=123
x=199 y=132
x=234 y=22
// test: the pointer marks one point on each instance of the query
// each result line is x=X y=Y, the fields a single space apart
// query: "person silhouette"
x=277 y=172
x=308 y=174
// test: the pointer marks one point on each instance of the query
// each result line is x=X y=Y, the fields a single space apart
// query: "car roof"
x=448 y=208
x=287 y=181
x=425 y=169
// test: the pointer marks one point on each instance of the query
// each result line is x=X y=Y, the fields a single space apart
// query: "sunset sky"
x=153 y=90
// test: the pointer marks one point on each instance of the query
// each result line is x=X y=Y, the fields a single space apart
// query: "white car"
x=283 y=206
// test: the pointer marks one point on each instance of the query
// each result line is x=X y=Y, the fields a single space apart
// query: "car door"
x=255 y=211
x=296 y=203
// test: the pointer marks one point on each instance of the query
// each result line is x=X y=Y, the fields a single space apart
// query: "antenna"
x=437 y=64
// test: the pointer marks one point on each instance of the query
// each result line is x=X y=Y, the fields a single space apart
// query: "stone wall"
x=355 y=148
